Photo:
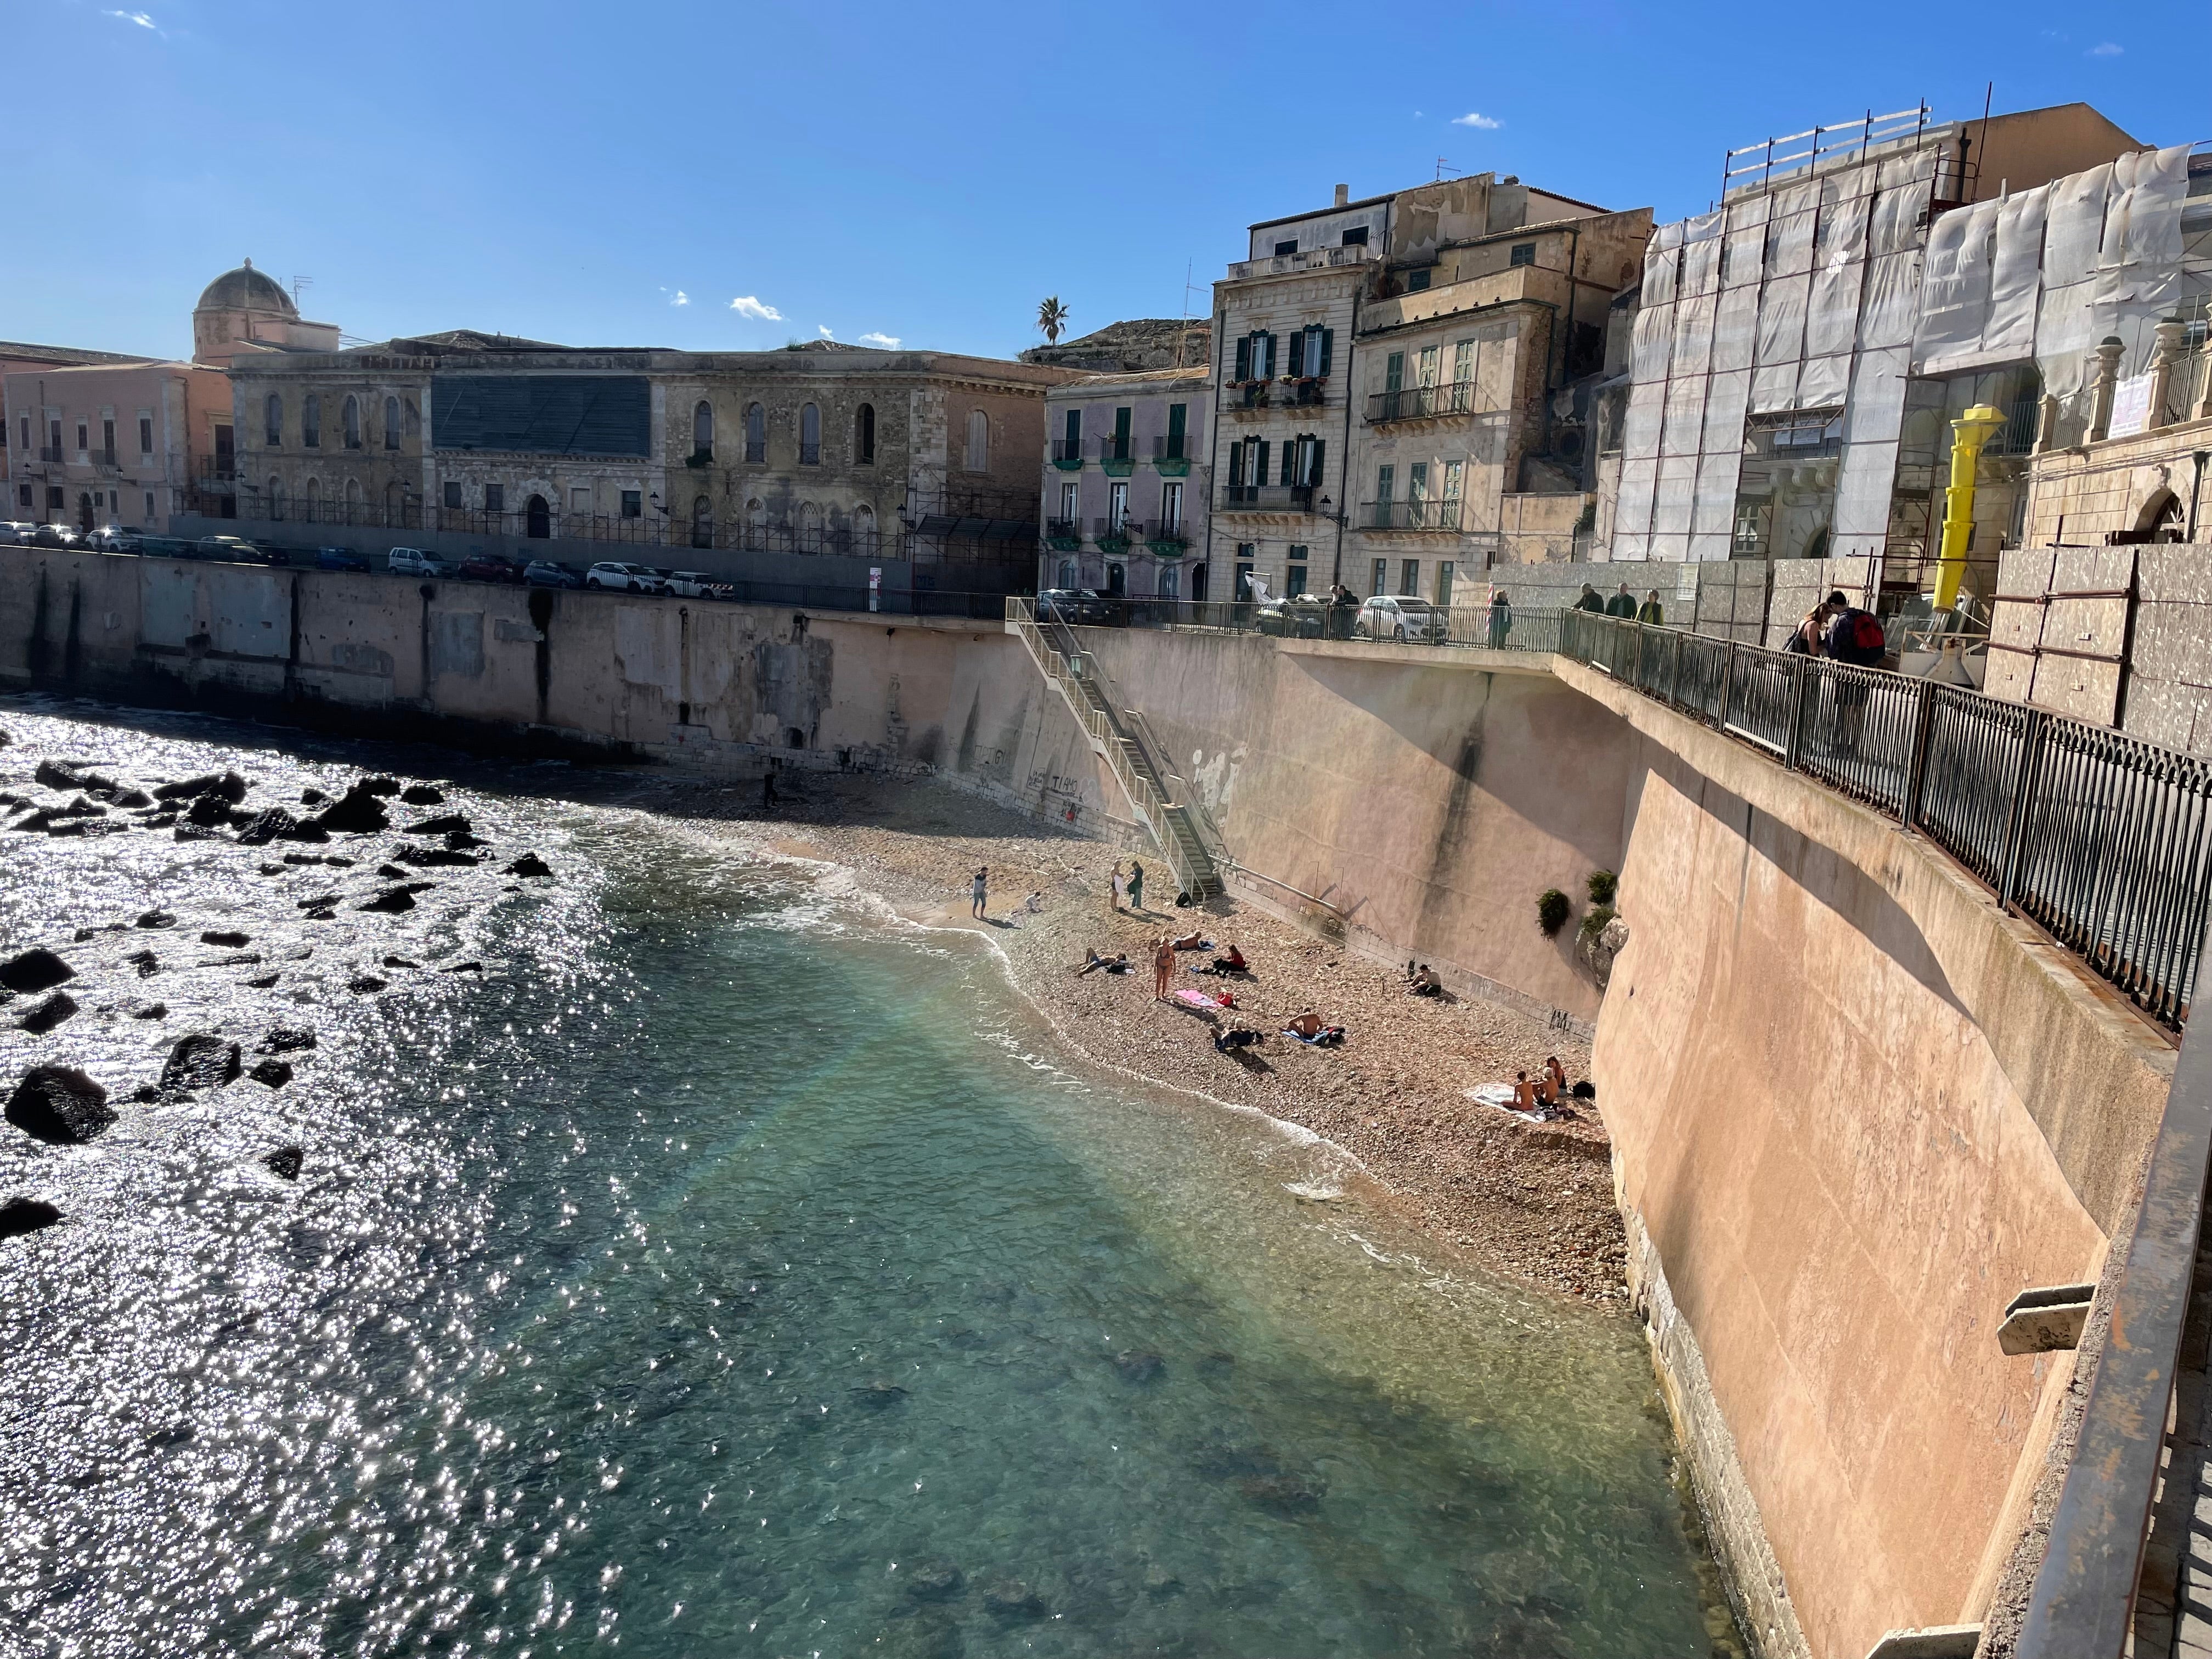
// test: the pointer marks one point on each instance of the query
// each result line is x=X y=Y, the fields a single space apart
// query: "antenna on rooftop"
x=1443 y=167
x=299 y=282
x=1182 y=338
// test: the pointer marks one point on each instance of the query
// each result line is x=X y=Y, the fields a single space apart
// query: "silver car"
x=625 y=578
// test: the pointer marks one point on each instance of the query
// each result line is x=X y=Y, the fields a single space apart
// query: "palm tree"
x=1052 y=318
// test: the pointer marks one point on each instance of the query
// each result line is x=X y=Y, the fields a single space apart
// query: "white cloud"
x=886 y=341
x=1476 y=119
x=746 y=306
x=823 y=328
x=140 y=18
x=678 y=298
x=2105 y=49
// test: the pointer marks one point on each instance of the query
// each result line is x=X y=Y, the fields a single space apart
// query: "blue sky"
x=917 y=173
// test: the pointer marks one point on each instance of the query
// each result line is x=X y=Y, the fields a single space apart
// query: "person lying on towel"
x=1307 y=1029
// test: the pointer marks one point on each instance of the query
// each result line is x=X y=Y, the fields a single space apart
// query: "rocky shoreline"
x=1531 y=1202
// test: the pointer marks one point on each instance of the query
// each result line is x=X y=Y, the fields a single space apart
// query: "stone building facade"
x=1126 y=483
x=833 y=449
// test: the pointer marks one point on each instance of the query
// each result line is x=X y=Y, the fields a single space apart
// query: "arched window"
x=2161 y=517
x=314 y=496
x=395 y=505
x=864 y=436
x=353 y=501
x=353 y=423
x=702 y=520
x=1067 y=573
x=391 y=423
x=1170 y=581
x=979 y=441
x=702 y=431
x=756 y=514
x=537 y=519
x=864 y=531
x=311 y=423
x=810 y=436
x=277 y=498
x=810 y=525
x=273 y=420
x=755 y=435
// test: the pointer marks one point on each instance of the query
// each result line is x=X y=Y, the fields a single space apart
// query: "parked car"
x=339 y=558
x=55 y=535
x=233 y=549
x=164 y=547
x=414 y=561
x=549 y=573
x=490 y=568
x=116 y=538
x=16 y=534
x=699 y=585
x=632 y=578
x=1298 y=617
x=1076 y=606
x=1402 y=618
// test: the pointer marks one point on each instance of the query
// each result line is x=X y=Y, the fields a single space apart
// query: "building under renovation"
x=1801 y=350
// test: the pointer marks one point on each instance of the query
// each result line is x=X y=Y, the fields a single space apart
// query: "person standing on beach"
x=1136 y=886
x=768 y=788
x=1118 y=880
x=981 y=896
x=1162 y=968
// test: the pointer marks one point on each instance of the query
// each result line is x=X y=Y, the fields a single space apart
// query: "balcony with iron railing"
x=1167 y=537
x=1319 y=258
x=1063 y=535
x=50 y=454
x=1111 y=532
x=1420 y=402
x=1415 y=515
x=1248 y=394
x=1266 y=498
x=1067 y=454
x=1117 y=454
x=104 y=458
x=1173 y=453
x=704 y=455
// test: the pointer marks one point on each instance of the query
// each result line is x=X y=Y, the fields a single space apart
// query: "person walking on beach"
x=981 y=896
x=1136 y=886
x=1162 y=968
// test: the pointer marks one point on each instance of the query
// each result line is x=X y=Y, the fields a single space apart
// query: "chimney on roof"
x=1343 y=195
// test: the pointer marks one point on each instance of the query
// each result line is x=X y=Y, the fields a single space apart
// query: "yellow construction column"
x=1968 y=433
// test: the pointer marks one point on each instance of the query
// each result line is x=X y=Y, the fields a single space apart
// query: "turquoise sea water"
x=737 y=1270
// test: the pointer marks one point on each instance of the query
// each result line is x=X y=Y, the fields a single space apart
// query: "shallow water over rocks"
x=678 y=1250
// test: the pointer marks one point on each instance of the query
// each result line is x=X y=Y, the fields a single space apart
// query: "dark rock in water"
x=378 y=784
x=66 y=827
x=242 y=959
x=226 y=785
x=305 y=830
x=1285 y=1493
x=223 y=937
x=286 y=1039
x=1010 y=1598
x=392 y=902
x=446 y=823
x=285 y=1161
x=133 y=798
x=19 y=1216
x=150 y=1010
x=193 y=832
x=156 y=919
x=923 y=1633
x=423 y=794
x=200 y=1061
x=934 y=1581
x=50 y=1013
x=435 y=855
x=34 y=970
x=60 y=1105
x=176 y=1434
x=303 y=858
x=55 y=775
x=80 y=808
x=266 y=827
x=1160 y=1583
x=462 y=968
x=209 y=813
x=147 y=1094
x=340 y=861
x=263 y=981
x=145 y=962
x=879 y=1396
x=459 y=840
x=320 y=914
x=400 y=962
x=358 y=813
x=322 y=904
x=312 y=796
x=530 y=864
x=276 y=1073
x=366 y=984
x=1140 y=1367
x=231 y=786
x=394 y=872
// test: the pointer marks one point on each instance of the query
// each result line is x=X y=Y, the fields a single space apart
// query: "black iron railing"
x=1415 y=403
x=1266 y=498
x=2103 y=840
x=1440 y=514
x=1175 y=447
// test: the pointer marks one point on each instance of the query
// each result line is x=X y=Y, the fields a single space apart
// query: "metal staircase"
x=1074 y=674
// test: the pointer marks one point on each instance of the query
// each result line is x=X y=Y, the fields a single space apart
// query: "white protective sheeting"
x=1639 y=429
x=1735 y=328
x=1898 y=212
x=1714 y=511
x=1631 y=512
x=1662 y=259
x=1670 y=500
x=1876 y=410
x=1789 y=233
x=1669 y=549
x=1653 y=340
x=1781 y=342
x=1832 y=322
x=1693 y=334
x=2072 y=233
x=1954 y=297
x=2015 y=276
x=1822 y=381
x=2139 y=274
x=1892 y=300
x=1701 y=255
x=1686 y=415
x=1863 y=486
x=1745 y=239
x=1726 y=395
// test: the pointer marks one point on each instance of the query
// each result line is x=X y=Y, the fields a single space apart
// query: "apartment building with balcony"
x=1127 y=476
x=1476 y=354
x=18 y=357
x=111 y=443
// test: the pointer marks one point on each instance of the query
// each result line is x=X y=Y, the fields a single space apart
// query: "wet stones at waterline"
x=60 y=1105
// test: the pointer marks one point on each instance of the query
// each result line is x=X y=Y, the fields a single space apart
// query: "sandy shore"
x=1530 y=1201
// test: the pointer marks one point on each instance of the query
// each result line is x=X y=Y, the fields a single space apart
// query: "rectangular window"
x=1244 y=562
x=1444 y=585
x=1282 y=248
x=633 y=504
x=83 y=437
x=452 y=492
x=1356 y=237
x=1073 y=439
x=145 y=434
x=1524 y=253
x=1429 y=358
x=23 y=495
x=1417 y=481
x=150 y=506
x=1070 y=501
x=1294 y=576
x=580 y=498
x=107 y=439
x=1121 y=450
x=1393 y=371
x=1386 y=482
x=1172 y=508
x=1416 y=280
x=1178 y=432
x=1409 y=578
x=1382 y=577
x=1117 y=506
x=1462 y=362
x=494 y=498
x=25 y=425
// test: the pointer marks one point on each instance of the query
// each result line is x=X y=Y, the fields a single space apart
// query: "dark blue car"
x=546 y=573
x=339 y=558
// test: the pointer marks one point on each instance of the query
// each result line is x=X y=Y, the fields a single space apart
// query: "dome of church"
x=247 y=290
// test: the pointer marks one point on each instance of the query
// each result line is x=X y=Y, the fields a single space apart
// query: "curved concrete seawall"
x=1855 y=1109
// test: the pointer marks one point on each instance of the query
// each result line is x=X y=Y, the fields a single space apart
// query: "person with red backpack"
x=1855 y=636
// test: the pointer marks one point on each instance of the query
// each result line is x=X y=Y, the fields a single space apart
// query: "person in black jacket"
x=1855 y=637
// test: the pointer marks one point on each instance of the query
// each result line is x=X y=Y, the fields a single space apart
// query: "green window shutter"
x=1260 y=461
x=1313 y=464
x=1244 y=358
x=1393 y=371
x=1075 y=432
x=1121 y=428
x=1327 y=347
x=1237 y=463
x=1386 y=479
x=1178 y=419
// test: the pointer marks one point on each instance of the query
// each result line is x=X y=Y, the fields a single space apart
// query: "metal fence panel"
x=1974 y=748
x=1858 y=731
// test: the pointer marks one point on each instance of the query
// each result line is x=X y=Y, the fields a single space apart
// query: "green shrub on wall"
x=1553 y=909
x=1594 y=923
x=1603 y=884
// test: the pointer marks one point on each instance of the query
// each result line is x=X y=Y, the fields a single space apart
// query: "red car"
x=490 y=568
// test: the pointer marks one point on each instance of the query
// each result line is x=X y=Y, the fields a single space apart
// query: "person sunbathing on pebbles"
x=1113 y=964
